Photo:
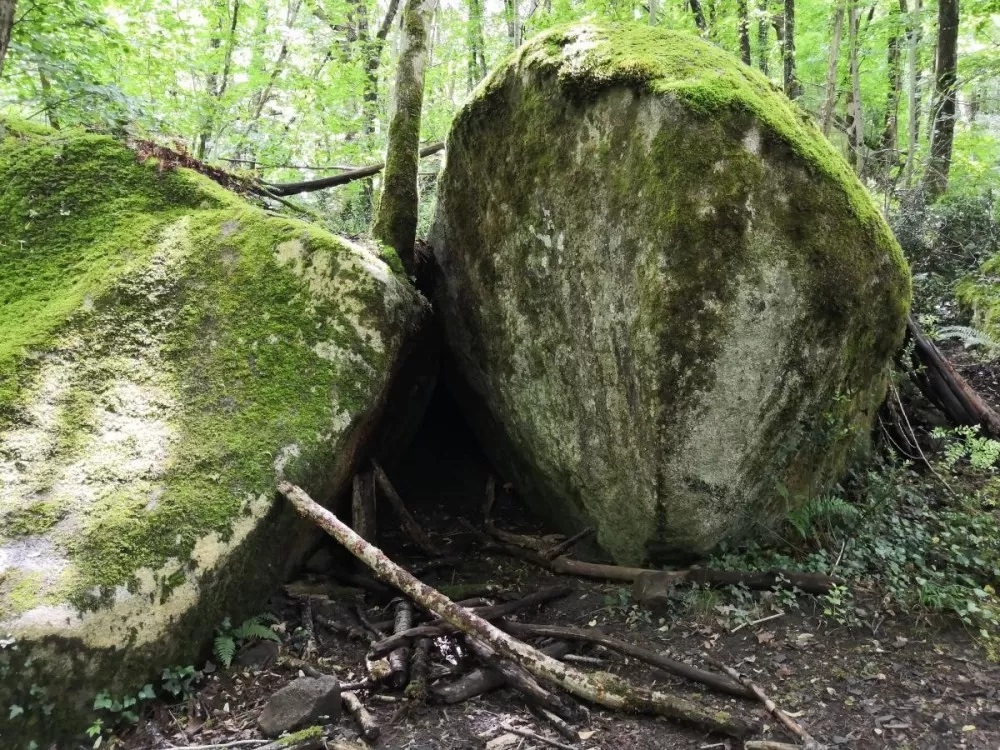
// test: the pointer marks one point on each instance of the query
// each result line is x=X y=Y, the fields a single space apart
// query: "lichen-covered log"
x=167 y=353
x=670 y=302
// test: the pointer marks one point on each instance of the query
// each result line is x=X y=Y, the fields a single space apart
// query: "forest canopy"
x=291 y=89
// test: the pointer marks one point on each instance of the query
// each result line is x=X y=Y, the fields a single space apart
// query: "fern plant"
x=971 y=337
x=228 y=638
x=822 y=514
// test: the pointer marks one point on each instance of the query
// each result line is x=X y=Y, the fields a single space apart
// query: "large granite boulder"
x=167 y=352
x=670 y=303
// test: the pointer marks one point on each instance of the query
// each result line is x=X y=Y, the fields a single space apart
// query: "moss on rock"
x=670 y=300
x=167 y=352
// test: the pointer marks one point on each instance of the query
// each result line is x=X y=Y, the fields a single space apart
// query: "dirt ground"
x=890 y=682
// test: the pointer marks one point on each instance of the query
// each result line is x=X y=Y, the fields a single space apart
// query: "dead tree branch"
x=603 y=689
x=410 y=525
x=712 y=680
x=310 y=186
x=368 y=728
x=790 y=724
x=485 y=679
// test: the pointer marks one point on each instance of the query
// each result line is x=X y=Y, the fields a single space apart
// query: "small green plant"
x=822 y=515
x=228 y=638
x=971 y=338
x=620 y=603
x=180 y=681
x=966 y=443
x=839 y=606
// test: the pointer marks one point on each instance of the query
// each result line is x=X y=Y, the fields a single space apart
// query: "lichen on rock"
x=167 y=352
x=670 y=302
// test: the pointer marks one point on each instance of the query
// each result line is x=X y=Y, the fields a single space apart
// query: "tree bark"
x=856 y=133
x=7 y=8
x=890 y=133
x=475 y=43
x=762 y=31
x=218 y=82
x=831 y=71
x=913 y=36
x=603 y=689
x=946 y=66
x=396 y=215
x=743 y=24
x=699 y=14
x=792 y=88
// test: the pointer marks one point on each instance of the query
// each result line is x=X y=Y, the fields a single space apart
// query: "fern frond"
x=253 y=630
x=225 y=649
x=970 y=337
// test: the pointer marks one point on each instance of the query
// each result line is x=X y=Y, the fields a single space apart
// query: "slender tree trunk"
x=652 y=12
x=475 y=42
x=890 y=133
x=856 y=134
x=48 y=102
x=396 y=215
x=831 y=70
x=699 y=14
x=762 y=32
x=743 y=24
x=792 y=88
x=218 y=82
x=913 y=34
x=513 y=17
x=7 y=8
x=943 y=135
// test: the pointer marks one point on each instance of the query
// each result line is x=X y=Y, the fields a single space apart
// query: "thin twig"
x=568 y=544
x=789 y=723
x=536 y=737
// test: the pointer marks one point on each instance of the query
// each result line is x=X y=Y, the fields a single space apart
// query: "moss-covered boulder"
x=167 y=351
x=669 y=300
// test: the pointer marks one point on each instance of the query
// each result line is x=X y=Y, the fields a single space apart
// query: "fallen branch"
x=710 y=679
x=484 y=679
x=518 y=679
x=419 y=669
x=556 y=723
x=568 y=544
x=523 y=541
x=768 y=745
x=410 y=526
x=790 y=724
x=309 y=186
x=943 y=386
x=305 y=607
x=494 y=612
x=399 y=659
x=603 y=689
x=368 y=728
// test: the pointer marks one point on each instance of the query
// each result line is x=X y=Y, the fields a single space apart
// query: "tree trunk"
x=396 y=215
x=699 y=15
x=762 y=32
x=913 y=35
x=856 y=132
x=831 y=70
x=743 y=23
x=652 y=12
x=48 y=103
x=6 y=25
x=943 y=136
x=890 y=133
x=218 y=82
x=475 y=42
x=792 y=88
x=513 y=16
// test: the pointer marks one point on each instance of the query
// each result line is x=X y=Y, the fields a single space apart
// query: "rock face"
x=167 y=351
x=670 y=302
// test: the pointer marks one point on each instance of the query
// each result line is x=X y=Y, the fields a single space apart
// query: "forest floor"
x=888 y=680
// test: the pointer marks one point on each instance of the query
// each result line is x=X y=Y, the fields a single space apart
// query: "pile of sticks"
x=545 y=675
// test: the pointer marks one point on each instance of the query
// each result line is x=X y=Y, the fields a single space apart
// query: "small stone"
x=300 y=702
x=503 y=742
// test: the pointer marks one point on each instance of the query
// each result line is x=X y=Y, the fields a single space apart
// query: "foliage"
x=965 y=442
x=228 y=639
x=926 y=548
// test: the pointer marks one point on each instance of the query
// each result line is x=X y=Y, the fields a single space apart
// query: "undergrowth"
x=927 y=543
